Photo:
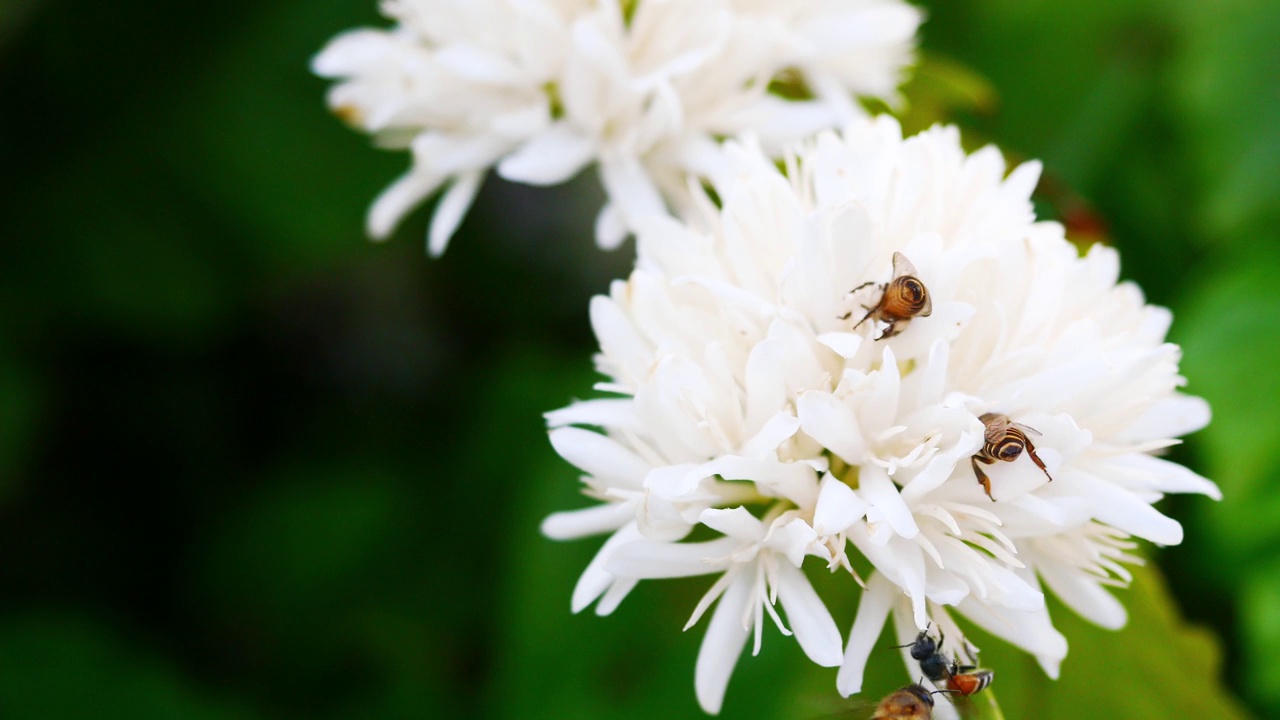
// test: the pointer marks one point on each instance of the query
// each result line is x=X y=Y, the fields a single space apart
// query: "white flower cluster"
x=746 y=398
x=643 y=88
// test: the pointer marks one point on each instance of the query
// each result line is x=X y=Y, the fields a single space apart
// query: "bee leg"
x=870 y=312
x=892 y=328
x=864 y=307
x=1031 y=450
x=983 y=480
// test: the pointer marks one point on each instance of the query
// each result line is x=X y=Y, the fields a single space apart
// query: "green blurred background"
x=253 y=466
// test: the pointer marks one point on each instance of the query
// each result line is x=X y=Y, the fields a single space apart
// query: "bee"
x=912 y=702
x=967 y=679
x=928 y=653
x=902 y=299
x=1003 y=440
x=960 y=679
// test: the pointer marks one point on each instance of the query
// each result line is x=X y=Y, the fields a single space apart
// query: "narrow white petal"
x=348 y=52
x=631 y=191
x=873 y=609
x=875 y=487
x=1032 y=631
x=618 y=338
x=477 y=64
x=1170 y=477
x=587 y=521
x=1125 y=511
x=1084 y=595
x=599 y=456
x=808 y=616
x=451 y=209
x=614 y=595
x=611 y=231
x=722 y=645
x=551 y=157
x=398 y=199
x=595 y=580
x=1170 y=417
x=616 y=413
x=642 y=558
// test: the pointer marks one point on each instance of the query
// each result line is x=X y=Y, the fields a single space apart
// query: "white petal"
x=618 y=338
x=873 y=609
x=450 y=210
x=1170 y=477
x=587 y=521
x=875 y=487
x=595 y=579
x=808 y=616
x=777 y=429
x=838 y=507
x=845 y=344
x=614 y=595
x=1031 y=631
x=551 y=157
x=735 y=522
x=722 y=645
x=1084 y=595
x=1125 y=511
x=631 y=191
x=616 y=413
x=477 y=64
x=1170 y=417
x=791 y=539
x=833 y=424
x=398 y=199
x=611 y=231
x=641 y=558
x=599 y=456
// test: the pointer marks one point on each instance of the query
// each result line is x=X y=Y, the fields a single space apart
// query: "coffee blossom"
x=540 y=89
x=765 y=388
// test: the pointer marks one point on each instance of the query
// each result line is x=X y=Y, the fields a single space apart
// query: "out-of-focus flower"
x=643 y=88
x=749 y=402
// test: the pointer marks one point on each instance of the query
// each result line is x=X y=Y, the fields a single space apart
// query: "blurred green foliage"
x=253 y=466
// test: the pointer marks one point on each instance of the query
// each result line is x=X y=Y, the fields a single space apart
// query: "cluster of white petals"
x=742 y=399
x=644 y=89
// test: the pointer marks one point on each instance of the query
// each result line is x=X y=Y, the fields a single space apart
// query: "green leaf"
x=1231 y=113
x=1157 y=666
x=1227 y=333
x=1258 y=601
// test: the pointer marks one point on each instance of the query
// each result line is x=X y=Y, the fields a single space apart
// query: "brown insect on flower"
x=1003 y=440
x=903 y=298
x=913 y=702
x=967 y=680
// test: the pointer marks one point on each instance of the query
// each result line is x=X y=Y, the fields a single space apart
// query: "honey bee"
x=902 y=299
x=912 y=702
x=960 y=679
x=1003 y=440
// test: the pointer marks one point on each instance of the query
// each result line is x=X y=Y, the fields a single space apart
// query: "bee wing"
x=1027 y=428
x=902 y=266
x=928 y=306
